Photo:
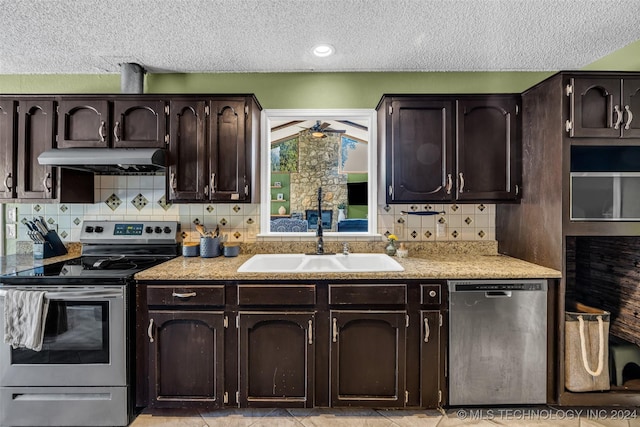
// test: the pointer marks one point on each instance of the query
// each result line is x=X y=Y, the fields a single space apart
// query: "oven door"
x=84 y=342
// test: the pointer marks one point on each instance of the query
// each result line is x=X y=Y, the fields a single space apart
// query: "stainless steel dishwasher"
x=497 y=342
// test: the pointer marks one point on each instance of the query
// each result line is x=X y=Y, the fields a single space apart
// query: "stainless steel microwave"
x=605 y=196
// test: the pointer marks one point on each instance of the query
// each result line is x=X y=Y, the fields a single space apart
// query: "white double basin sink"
x=304 y=263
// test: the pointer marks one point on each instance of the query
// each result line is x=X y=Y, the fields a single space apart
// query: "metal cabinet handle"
x=8 y=179
x=616 y=109
x=310 y=332
x=45 y=182
x=173 y=182
x=150 y=331
x=206 y=190
x=116 y=131
x=461 y=182
x=390 y=191
x=102 y=130
x=335 y=330
x=212 y=183
x=427 y=330
x=449 y=183
x=185 y=295
x=629 y=117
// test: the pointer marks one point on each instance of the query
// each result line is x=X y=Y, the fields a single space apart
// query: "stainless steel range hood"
x=107 y=161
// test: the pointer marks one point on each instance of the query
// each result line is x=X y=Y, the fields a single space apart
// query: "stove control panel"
x=139 y=232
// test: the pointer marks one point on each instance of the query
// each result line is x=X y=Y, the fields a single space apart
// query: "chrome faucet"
x=345 y=248
x=319 y=240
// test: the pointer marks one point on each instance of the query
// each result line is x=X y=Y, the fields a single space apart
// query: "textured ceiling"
x=94 y=36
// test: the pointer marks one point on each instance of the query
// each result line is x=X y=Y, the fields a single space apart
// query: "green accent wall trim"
x=287 y=90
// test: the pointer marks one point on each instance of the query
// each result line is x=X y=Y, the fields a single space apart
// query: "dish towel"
x=25 y=313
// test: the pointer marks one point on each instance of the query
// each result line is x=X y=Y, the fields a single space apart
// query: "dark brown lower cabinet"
x=276 y=351
x=430 y=359
x=186 y=358
x=368 y=351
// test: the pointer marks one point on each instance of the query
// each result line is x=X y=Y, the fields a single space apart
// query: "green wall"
x=287 y=90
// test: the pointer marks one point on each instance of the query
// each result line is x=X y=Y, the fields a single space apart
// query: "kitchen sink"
x=303 y=263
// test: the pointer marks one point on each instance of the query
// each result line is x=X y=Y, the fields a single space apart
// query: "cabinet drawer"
x=270 y=295
x=430 y=294
x=185 y=296
x=381 y=294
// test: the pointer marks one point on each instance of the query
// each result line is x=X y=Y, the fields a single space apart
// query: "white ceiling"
x=94 y=36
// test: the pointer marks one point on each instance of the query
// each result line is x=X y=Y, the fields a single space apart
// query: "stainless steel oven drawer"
x=63 y=406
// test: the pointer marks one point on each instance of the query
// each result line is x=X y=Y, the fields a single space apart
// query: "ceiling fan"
x=319 y=130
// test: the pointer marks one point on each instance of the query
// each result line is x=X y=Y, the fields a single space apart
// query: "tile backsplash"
x=126 y=198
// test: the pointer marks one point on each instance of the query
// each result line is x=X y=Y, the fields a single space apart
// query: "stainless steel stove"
x=83 y=374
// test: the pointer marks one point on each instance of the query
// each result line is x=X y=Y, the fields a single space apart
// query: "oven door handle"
x=79 y=295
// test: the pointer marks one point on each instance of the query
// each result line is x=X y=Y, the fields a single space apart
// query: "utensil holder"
x=209 y=247
x=190 y=249
x=52 y=247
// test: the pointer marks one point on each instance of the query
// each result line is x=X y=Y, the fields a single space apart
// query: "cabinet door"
x=139 y=123
x=487 y=149
x=83 y=123
x=631 y=108
x=36 y=134
x=595 y=107
x=431 y=365
x=8 y=149
x=187 y=177
x=186 y=366
x=276 y=359
x=368 y=358
x=419 y=153
x=227 y=157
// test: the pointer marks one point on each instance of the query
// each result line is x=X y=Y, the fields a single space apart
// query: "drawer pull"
x=8 y=185
x=310 y=332
x=150 y=330
x=335 y=330
x=101 y=131
x=185 y=295
x=427 y=331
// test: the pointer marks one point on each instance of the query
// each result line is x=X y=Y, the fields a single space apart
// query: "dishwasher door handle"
x=497 y=294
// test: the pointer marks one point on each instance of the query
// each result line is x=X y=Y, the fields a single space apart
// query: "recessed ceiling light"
x=323 y=50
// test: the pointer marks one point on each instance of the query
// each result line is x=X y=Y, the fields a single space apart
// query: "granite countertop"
x=449 y=260
x=430 y=266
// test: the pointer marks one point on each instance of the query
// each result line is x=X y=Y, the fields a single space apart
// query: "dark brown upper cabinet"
x=136 y=122
x=8 y=134
x=439 y=148
x=603 y=107
x=36 y=133
x=487 y=149
x=188 y=168
x=213 y=147
x=418 y=158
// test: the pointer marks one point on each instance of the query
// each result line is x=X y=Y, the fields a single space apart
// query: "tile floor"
x=521 y=417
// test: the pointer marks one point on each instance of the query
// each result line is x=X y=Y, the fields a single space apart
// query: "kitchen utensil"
x=201 y=230
x=40 y=226
x=44 y=224
x=216 y=233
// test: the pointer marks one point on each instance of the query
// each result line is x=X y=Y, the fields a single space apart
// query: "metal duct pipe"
x=131 y=78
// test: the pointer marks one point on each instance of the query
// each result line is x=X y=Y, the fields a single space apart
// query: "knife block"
x=52 y=247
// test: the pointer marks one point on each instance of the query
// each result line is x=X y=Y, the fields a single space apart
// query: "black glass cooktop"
x=87 y=267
